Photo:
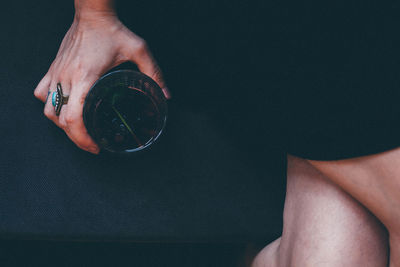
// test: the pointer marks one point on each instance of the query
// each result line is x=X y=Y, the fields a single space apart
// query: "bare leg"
x=268 y=257
x=374 y=180
x=323 y=226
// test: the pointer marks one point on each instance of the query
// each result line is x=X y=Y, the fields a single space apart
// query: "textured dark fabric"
x=15 y=253
x=198 y=183
x=341 y=97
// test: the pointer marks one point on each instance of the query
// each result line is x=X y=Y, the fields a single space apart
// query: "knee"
x=268 y=256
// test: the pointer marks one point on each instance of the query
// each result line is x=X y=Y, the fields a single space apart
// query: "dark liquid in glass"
x=126 y=120
x=125 y=112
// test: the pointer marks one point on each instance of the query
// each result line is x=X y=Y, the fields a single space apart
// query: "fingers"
x=71 y=119
x=140 y=54
x=43 y=88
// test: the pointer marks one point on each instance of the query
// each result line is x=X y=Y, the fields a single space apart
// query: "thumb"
x=142 y=57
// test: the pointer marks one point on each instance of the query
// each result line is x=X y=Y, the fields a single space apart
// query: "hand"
x=94 y=44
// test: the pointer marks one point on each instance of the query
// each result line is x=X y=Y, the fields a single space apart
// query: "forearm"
x=87 y=7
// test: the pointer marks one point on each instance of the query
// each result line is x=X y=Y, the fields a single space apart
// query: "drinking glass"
x=125 y=111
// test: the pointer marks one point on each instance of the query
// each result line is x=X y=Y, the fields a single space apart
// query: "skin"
x=323 y=226
x=96 y=30
x=373 y=180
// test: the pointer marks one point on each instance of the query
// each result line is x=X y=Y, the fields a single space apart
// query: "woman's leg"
x=323 y=226
x=374 y=180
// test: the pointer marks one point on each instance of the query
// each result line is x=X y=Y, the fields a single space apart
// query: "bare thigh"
x=374 y=180
x=323 y=225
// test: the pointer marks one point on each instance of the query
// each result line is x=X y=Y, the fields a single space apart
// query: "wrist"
x=93 y=10
x=93 y=17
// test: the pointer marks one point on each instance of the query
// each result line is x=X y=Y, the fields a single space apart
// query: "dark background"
x=213 y=183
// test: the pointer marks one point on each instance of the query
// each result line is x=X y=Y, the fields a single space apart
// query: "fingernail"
x=166 y=92
x=94 y=150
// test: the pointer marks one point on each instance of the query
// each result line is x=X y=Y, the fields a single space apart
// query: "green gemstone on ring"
x=53 y=98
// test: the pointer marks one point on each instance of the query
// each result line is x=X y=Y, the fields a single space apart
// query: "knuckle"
x=62 y=76
x=78 y=74
x=62 y=122
x=36 y=93
x=70 y=117
x=140 y=46
x=41 y=87
x=80 y=67
x=48 y=113
x=81 y=73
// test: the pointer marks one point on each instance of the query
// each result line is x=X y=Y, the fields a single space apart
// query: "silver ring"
x=59 y=99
